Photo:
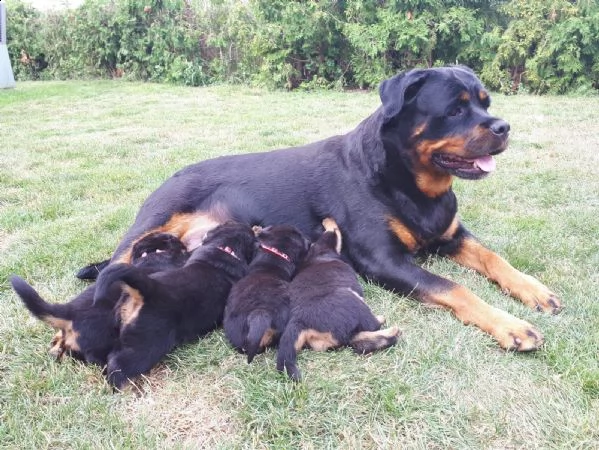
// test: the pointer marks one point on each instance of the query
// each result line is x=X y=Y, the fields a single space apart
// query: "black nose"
x=500 y=127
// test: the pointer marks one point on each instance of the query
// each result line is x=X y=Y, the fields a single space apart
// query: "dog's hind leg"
x=259 y=323
x=370 y=341
x=129 y=362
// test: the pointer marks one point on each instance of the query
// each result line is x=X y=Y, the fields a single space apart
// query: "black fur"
x=174 y=306
x=359 y=179
x=89 y=332
x=326 y=297
x=259 y=302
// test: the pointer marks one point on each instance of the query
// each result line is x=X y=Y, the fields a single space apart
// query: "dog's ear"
x=400 y=90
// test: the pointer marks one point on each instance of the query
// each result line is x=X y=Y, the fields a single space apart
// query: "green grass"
x=76 y=161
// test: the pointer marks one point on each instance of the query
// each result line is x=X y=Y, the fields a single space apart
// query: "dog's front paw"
x=536 y=295
x=516 y=334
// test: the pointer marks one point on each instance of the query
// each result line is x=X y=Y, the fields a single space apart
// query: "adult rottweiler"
x=258 y=305
x=88 y=332
x=327 y=307
x=387 y=183
x=164 y=309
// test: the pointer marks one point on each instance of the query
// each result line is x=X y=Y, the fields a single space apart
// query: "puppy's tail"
x=130 y=275
x=287 y=353
x=54 y=314
x=258 y=324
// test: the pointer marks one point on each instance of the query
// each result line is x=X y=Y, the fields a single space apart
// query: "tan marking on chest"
x=403 y=233
x=451 y=230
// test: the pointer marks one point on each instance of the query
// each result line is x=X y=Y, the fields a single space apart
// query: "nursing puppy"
x=88 y=332
x=159 y=311
x=258 y=306
x=327 y=308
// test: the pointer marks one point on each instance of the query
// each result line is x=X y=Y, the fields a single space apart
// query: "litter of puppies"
x=266 y=284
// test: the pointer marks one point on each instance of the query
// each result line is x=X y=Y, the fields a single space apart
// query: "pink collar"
x=230 y=251
x=276 y=251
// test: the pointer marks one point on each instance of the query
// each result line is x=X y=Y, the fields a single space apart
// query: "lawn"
x=78 y=158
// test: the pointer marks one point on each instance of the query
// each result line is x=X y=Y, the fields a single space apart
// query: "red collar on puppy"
x=276 y=251
x=230 y=251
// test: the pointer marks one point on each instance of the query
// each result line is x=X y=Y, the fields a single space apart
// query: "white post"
x=7 y=79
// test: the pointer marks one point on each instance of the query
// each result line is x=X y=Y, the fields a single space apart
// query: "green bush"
x=534 y=45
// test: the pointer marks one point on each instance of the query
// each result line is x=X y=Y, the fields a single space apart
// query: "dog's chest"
x=418 y=226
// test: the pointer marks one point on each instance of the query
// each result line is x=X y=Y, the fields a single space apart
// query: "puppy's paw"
x=57 y=346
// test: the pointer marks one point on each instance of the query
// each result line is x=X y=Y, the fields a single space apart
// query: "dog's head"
x=236 y=236
x=438 y=118
x=159 y=251
x=286 y=239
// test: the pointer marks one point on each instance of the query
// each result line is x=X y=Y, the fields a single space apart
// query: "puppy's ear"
x=399 y=91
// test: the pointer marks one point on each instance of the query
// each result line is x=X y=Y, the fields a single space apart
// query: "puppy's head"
x=237 y=236
x=159 y=251
x=286 y=239
x=439 y=118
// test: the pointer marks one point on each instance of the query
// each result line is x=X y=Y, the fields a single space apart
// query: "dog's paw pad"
x=524 y=340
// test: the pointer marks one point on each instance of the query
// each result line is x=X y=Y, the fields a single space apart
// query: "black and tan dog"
x=387 y=183
x=258 y=306
x=159 y=311
x=87 y=332
x=327 y=307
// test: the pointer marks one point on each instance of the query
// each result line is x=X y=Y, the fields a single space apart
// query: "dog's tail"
x=259 y=323
x=125 y=273
x=287 y=353
x=54 y=314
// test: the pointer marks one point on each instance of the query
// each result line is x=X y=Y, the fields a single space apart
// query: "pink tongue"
x=485 y=163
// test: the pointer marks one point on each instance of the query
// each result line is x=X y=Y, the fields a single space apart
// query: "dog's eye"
x=457 y=111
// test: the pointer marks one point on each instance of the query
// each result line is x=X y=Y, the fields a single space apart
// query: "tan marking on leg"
x=403 y=233
x=381 y=319
x=509 y=331
x=530 y=291
x=131 y=305
x=370 y=341
x=71 y=339
x=329 y=224
x=57 y=348
x=316 y=340
x=267 y=337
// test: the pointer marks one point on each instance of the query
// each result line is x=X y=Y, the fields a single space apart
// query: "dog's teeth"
x=159 y=251
x=144 y=254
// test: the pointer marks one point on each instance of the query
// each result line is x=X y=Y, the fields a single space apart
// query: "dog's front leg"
x=407 y=278
x=468 y=252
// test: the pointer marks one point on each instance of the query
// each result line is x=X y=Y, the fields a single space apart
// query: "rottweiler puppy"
x=327 y=307
x=258 y=306
x=387 y=183
x=164 y=309
x=88 y=332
